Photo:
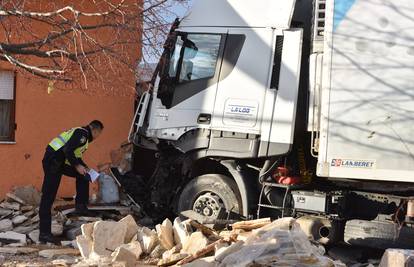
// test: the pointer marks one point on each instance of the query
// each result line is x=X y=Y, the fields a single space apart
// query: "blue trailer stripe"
x=341 y=8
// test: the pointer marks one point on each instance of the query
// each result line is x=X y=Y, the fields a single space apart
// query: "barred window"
x=7 y=105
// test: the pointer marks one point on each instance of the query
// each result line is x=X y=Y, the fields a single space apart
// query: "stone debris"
x=182 y=243
x=87 y=229
x=10 y=205
x=203 y=262
x=67 y=261
x=50 y=253
x=19 y=219
x=13 y=197
x=281 y=242
x=122 y=254
x=19 y=233
x=196 y=242
x=13 y=237
x=29 y=194
x=148 y=239
x=131 y=227
x=17 y=250
x=181 y=231
x=128 y=253
x=84 y=245
x=224 y=251
x=165 y=234
x=168 y=254
x=5 y=212
x=122 y=157
x=107 y=236
x=157 y=252
x=57 y=228
x=397 y=258
x=119 y=241
x=173 y=259
x=6 y=225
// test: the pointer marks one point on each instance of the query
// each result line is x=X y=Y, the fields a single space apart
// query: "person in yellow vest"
x=63 y=156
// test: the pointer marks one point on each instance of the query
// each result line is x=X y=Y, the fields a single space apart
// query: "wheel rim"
x=208 y=204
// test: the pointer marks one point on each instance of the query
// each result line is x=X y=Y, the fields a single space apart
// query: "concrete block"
x=132 y=227
x=84 y=244
x=128 y=253
x=107 y=236
x=165 y=234
x=122 y=254
x=148 y=239
x=87 y=229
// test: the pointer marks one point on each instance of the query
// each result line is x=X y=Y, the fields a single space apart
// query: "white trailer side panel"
x=240 y=13
x=367 y=127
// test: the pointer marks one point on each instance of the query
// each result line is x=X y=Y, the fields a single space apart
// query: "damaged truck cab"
x=285 y=108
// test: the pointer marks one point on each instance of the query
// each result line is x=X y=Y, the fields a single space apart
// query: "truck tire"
x=378 y=234
x=208 y=194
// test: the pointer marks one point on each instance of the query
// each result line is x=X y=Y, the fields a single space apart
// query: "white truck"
x=286 y=108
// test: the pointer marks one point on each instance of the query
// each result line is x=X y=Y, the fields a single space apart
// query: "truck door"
x=257 y=91
x=243 y=80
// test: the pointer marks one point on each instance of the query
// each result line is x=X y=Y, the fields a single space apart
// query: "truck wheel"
x=378 y=234
x=208 y=194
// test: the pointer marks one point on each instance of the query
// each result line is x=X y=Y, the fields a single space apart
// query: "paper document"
x=93 y=174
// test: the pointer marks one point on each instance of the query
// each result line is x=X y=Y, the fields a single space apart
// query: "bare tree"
x=88 y=40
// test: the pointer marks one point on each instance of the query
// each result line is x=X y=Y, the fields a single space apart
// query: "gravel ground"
x=32 y=259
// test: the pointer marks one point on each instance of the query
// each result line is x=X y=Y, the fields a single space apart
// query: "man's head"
x=96 y=128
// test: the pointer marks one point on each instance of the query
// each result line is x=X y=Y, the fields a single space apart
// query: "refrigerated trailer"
x=286 y=108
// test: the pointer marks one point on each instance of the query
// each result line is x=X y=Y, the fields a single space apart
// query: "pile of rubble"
x=19 y=217
x=124 y=242
x=189 y=243
x=19 y=224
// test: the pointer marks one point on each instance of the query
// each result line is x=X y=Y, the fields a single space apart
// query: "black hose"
x=269 y=166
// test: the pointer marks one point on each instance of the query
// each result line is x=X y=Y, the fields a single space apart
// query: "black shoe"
x=48 y=238
x=82 y=210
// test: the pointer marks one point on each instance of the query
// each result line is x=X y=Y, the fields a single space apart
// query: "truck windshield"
x=193 y=57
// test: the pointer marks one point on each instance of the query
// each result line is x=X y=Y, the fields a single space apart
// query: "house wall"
x=41 y=116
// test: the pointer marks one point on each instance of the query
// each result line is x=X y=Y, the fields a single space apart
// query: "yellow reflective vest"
x=58 y=142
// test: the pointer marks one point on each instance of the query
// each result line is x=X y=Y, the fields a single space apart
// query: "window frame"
x=11 y=139
x=167 y=82
x=182 y=51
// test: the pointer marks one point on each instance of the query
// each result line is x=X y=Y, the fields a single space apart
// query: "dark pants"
x=54 y=170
